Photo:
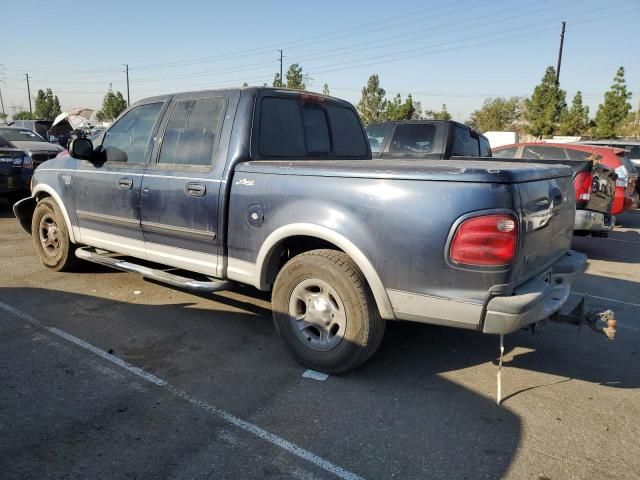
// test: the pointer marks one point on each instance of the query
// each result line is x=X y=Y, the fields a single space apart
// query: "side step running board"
x=90 y=254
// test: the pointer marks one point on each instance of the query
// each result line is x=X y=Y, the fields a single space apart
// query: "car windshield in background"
x=4 y=143
x=376 y=134
x=20 y=135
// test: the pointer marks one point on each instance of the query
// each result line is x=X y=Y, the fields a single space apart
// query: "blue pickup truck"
x=277 y=189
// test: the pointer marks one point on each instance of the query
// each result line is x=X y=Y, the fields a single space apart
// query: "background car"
x=16 y=169
x=632 y=148
x=41 y=127
x=37 y=147
x=615 y=158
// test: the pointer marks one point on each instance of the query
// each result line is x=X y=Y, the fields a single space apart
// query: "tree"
x=295 y=79
x=575 y=121
x=615 y=109
x=23 y=115
x=277 y=81
x=441 y=115
x=3 y=117
x=543 y=109
x=629 y=127
x=245 y=84
x=372 y=104
x=396 y=109
x=497 y=114
x=47 y=105
x=325 y=89
x=113 y=105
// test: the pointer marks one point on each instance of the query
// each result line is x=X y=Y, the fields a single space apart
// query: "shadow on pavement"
x=395 y=416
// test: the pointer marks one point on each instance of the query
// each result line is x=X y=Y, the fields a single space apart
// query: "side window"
x=465 y=143
x=376 y=135
x=544 y=153
x=128 y=139
x=413 y=138
x=485 y=147
x=192 y=131
x=634 y=152
x=506 y=152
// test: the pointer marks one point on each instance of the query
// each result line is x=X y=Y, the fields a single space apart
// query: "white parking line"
x=610 y=299
x=228 y=417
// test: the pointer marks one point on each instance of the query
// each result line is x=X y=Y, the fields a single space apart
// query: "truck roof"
x=250 y=90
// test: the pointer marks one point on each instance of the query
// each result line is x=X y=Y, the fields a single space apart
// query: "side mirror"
x=81 y=148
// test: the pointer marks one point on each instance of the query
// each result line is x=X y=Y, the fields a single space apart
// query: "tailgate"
x=547 y=209
x=603 y=188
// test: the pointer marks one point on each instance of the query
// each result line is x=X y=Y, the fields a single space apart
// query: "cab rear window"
x=298 y=129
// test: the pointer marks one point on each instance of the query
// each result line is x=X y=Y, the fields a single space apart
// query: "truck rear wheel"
x=324 y=311
x=51 y=237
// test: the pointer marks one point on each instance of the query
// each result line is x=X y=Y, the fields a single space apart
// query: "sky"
x=456 y=52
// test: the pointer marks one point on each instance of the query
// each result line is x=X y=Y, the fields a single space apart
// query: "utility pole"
x=126 y=66
x=1 y=101
x=560 y=54
x=281 y=80
x=2 y=104
x=637 y=124
x=29 y=94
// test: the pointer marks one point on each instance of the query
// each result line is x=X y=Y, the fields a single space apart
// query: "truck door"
x=180 y=188
x=107 y=195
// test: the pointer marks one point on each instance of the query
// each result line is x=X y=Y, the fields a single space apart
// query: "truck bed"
x=464 y=170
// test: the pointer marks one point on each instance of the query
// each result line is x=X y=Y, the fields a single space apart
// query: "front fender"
x=23 y=210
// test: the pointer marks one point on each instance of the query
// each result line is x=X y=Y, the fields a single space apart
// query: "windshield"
x=20 y=135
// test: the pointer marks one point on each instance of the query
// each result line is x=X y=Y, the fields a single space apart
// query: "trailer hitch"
x=603 y=322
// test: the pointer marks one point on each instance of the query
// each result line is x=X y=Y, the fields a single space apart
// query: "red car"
x=625 y=196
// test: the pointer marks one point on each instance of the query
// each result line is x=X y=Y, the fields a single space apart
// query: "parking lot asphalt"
x=106 y=375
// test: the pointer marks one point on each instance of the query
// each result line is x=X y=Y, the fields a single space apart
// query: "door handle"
x=195 y=189
x=125 y=183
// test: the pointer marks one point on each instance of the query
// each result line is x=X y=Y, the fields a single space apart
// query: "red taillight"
x=485 y=240
x=582 y=185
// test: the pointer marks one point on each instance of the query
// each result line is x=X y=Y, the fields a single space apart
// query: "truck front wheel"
x=50 y=236
x=324 y=311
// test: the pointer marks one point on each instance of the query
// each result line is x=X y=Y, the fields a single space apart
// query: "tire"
x=51 y=237
x=325 y=312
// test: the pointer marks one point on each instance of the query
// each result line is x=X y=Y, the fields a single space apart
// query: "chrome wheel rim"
x=317 y=315
x=49 y=235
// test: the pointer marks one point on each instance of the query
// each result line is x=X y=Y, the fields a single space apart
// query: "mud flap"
x=23 y=210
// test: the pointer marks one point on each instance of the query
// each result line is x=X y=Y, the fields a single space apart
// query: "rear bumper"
x=588 y=221
x=535 y=300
